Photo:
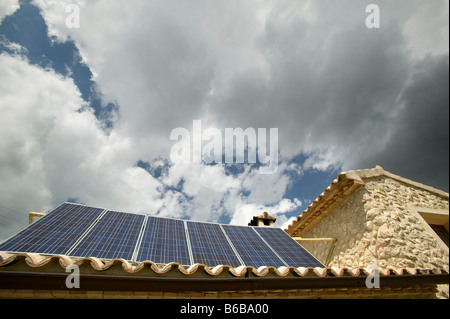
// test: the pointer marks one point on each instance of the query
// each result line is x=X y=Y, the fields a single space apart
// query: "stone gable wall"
x=373 y=225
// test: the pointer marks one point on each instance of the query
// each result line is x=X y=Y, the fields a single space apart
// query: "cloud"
x=418 y=143
x=245 y=212
x=311 y=69
x=62 y=152
x=52 y=147
x=26 y=121
x=8 y=7
x=209 y=193
x=328 y=92
x=202 y=189
x=427 y=29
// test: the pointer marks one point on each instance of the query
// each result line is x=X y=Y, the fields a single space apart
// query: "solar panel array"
x=82 y=231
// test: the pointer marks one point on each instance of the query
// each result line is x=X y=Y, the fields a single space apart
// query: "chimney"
x=262 y=220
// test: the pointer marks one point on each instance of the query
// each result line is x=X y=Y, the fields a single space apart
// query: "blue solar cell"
x=114 y=236
x=287 y=248
x=209 y=245
x=54 y=233
x=83 y=231
x=251 y=248
x=164 y=241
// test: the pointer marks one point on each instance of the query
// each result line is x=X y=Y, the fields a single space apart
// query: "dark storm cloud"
x=419 y=143
x=346 y=95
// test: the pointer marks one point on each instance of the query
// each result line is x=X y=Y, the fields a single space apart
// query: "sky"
x=90 y=92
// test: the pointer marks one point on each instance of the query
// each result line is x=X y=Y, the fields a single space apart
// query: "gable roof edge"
x=337 y=189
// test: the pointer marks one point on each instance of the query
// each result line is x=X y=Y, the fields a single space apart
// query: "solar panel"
x=164 y=241
x=210 y=246
x=292 y=253
x=114 y=236
x=251 y=248
x=54 y=233
x=82 y=231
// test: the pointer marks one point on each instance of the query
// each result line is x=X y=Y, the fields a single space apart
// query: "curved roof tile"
x=148 y=268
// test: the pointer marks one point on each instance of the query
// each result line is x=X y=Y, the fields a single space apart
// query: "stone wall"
x=417 y=292
x=373 y=225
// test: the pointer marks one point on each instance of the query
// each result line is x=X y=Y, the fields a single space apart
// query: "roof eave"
x=90 y=282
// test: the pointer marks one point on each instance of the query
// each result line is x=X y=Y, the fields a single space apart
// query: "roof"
x=47 y=271
x=16 y=270
x=342 y=186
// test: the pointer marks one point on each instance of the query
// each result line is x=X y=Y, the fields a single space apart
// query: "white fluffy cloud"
x=163 y=62
x=52 y=147
x=8 y=7
x=245 y=212
x=26 y=122
x=209 y=193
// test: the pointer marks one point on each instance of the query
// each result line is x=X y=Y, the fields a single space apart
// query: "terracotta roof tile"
x=148 y=268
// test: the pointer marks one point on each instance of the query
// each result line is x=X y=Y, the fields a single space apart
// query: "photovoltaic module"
x=82 y=231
